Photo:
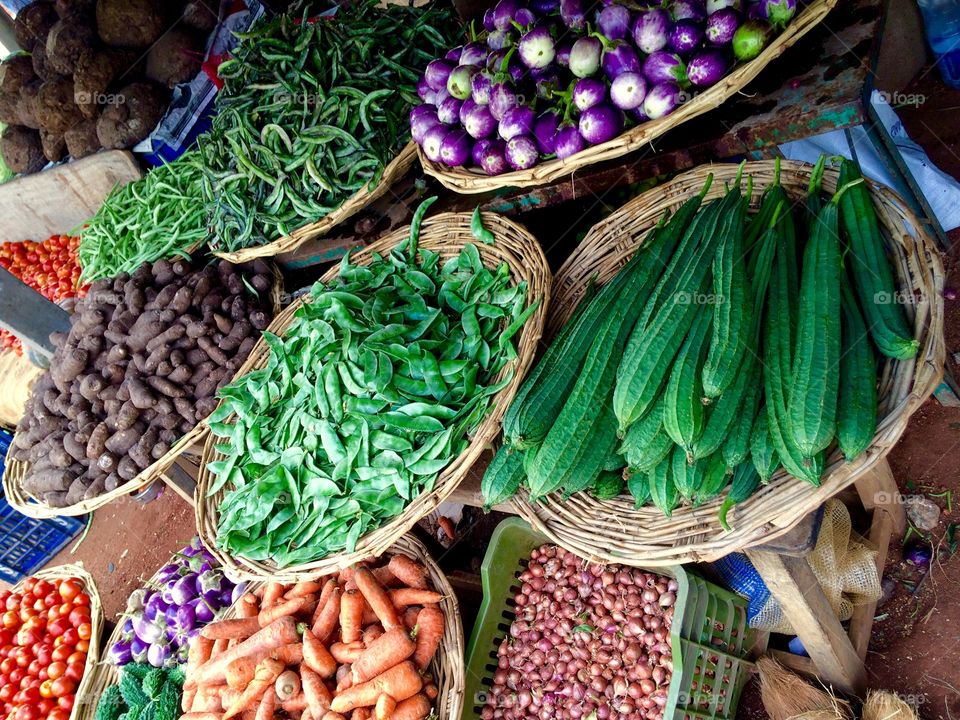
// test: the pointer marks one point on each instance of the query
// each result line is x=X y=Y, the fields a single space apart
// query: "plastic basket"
x=709 y=633
x=27 y=544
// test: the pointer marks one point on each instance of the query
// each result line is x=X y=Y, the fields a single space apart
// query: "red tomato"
x=46 y=689
x=74 y=671
x=6 y=638
x=56 y=670
x=6 y=692
x=27 y=712
x=84 y=631
x=31 y=695
x=53 y=613
x=70 y=637
x=38 y=605
x=33 y=668
x=42 y=675
x=50 y=600
x=29 y=584
x=4 y=594
x=43 y=587
x=63 y=686
x=58 y=714
x=11 y=620
x=22 y=656
x=83 y=646
x=26 y=613
x=65 y=609
x=45 y=653
x=79 y=615
x=46 y=705
x=28 y=638
x=66 y=702
x=77 y=657
x=16 y=675
x=82 y=599
x=59 y=626
x=70 y=589
x=61 y=652
x=7 y=666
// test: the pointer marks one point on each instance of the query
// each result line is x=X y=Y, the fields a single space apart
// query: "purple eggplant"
x=479 y=147
x=437 y=73
x=126 y=630
x=601 y=123
x=238 y=590
x=536 y=48
x=614 y=22
x=662 y=66
x=458 y=83
x=154 y=606
x=422 y=123
x=585 y=56
x=521 y=152
x=688 y=10
x=465 y=108
x=714 y=6
x=651 y=30
x=158 y=654
x=202 y=610
x=707 y=68
x=488 y=20
x=185 y=589
x=503 y=13
x=480 y=85
x=524 y=17
x=754 y=11
x=432 y=141
x=423 y=89
x=120 y=653
x=619 y=57
x=453 y=55
x=478 y=122
x=448 y=111
x=516 y=121
x=545 y=7
x=502 y=98
x=571 y=11
x=493 y=160
x=721 y=27
x=171 y=571
x=569 y=142
x=750 y=39
x=662 y=99
x=138 y=650
x=474 y=54
x=778 y=12
x=638 y=115
x=686 y=37
x=499 y=39
x=562 y=52
x=185 y=619
x=588 y=92
x=545 y=131
x=147 y=630
x=547 y=82
x=628 y=90
x=455 y=148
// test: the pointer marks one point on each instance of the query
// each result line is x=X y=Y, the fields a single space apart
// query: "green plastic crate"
x=709 y=632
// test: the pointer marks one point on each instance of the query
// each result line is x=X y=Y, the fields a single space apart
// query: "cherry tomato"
x=27 y=712
x=29 y=584
x=70 y=589
x=84 y=631
x=7 y=666
x=74 y=671
x=46 y=689
x=83 y=646
x=70 y=637
x=56 y=670
x=63 y=686
x=61 y=652
x=11 y=620
x=66 y=702
x=58 y=714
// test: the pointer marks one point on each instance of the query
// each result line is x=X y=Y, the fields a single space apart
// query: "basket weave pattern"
x=613 y=530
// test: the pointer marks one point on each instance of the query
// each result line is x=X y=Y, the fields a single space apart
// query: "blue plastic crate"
x=27 y=544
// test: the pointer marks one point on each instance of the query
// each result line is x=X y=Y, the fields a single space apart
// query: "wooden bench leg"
x=861 y=624
x=878 y=489
x=793 y=584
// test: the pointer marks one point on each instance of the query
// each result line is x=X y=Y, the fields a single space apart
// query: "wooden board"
x=34 y=207
x=17 y=376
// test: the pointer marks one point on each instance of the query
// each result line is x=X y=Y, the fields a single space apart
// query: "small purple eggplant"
x=185 y=619
x=465 y=108
x=585 y=56
x=448 y=112
x=524 y=17
x=502 y=98
x=474 y=54
x=750 y=39
x=651 y=30
x=202 y=611
x=638 y=115
x=614 y=22
x=432 y=141
x=479 y=148
x=458 y=83
x=562 y=52
x=714 y=6
x=547 y=83
x=120 y=653
x=185 y=589
x=721 y=27
x=138 y=650
x=480 y=85
x=493 y=161
x=455 y=148
x=545 y=131
x=453 y=55
x=707 y=68
x=571 y=11
x=437 y=73
x=688 y=10
x=628 y=90
x=158 y=654
x=521 y=152
x=619 y=57
x=545 y=7
x=686 y=37
x=588 y=92
x=778 y=12
x=479 y=123
x=536 y=48
x=420 y=124
x=662 y=66
x=503 y=13
x=569 y=142
x=499 y=39
x=516 y=121
x=601 y=123
x=662 y=99
x=488 y=20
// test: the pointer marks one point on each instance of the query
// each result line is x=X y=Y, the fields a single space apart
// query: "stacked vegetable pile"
x=725 y=348
x=325 y=648
x=164 y=617
x=144 y=692
x=139 y=369
x=588 y=641
x=371 y=392
x=43 y=645
x=159 y=216
x=49 y=267
x=312 y=109
x=543 y=81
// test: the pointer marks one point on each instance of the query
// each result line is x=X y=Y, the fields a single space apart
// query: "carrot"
x=187 y=700
x=347 y=652
x=267 y=706
x=279 y=610
x=430 y=690
x=414 y=708
x=369 y=616
x=257 y=647
x=247 y=606
x=385 y=707
x=404 y=597
x=229 y=695
x=385 y=577
x=346 y=575
x=219 y=647
x=295 y=704
x=200 y=716
x=344 y=678
x=328 y=589
x=289 y=654
x=309 y=606
x=316 y=656
x=238 y=628
x=199 y=653
x=429 y=634
x=377 y=597
x=318 y=697
x=410 y=616
x=272 y=592
x=393 y=647
x=361 y=714
x=400 y=682
x=326 y=618
x=409 y=571
x=287 y=685
x=267 y=672
x=240 y=672
x=351 y=615
x=371 y=633
x=331 y=715
x=249 y=713
x=304 y=587
x=207 y=699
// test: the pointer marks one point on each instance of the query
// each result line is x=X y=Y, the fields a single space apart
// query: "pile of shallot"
x=588 y=641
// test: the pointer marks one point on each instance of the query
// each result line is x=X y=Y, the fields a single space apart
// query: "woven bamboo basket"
x=395 y=170
x=612 y=530
x=85 y=695
x=190 y=445
x=447 y=666
x=446 y=233
x=470 y=181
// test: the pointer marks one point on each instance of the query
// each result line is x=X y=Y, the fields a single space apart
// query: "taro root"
x=82 y=139
x=134 y=24
x=68 y=38
x=27 y=106
x=175 y=58
x=135 y=111
x=56 y=111
x=22 y=150
x=42 y=66
x=201 y=14
x=16 y=72
x=96 y=70
x=53 y=144
x=34 y=22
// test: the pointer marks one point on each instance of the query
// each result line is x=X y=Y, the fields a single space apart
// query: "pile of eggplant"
x=554 y=77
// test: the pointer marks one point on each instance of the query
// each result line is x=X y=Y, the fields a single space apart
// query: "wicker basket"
x=612 y=530
x=447 y=666
x=470 y=181
x=189 y=445
x=446 y=234
x=85 y=695
x=395 y=170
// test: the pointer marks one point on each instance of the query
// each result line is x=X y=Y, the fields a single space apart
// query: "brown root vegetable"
x=22 y=150
x=137 y=109
x=133 y=24
x=41 y=66
x=34 y=22
x=67 y=39
x=53 y=144
x=27 y=105
x=82 y=140
x=95 y=72
x=202 y=15
x=175 y=58
x=10 y=109
x=70 y=7
x=16 y=72
x=55 y=110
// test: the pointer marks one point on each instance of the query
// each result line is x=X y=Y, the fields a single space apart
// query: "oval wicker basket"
x=395 y=170
x=85 y=694
x=447 y=665
x=446 y=233
x=470 y=181
x=612 y=530
x=190 y=445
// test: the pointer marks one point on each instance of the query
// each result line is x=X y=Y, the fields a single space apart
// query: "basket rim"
x=694 y=534
x=523 y=253
x=468 y=182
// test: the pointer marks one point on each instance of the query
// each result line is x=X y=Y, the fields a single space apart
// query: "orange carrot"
x=309 y=606
x=351 y=615
x=207 y=699
x=238 y=628
x=347 y=652
x=385 y=707
x=361 y=714
x=249 y=713
x=304 y=587
x=414 y=708
x=199 y=653
x=275 y=612
x=385 y=577
x=369 y=616
x=219 y=647
x=318 y=697
x=403 y=597
x=393 y=647
x=200 y=716
x=257 y=647
x=377 y=597
x=430 y=690
x=316 y=656
x=248 y=606
x=346 y=575
x=429 y=634
x=268 y=704
x=272 y=592
x=410 y=616
x=409 y=571
x=187 y=700
x=371 y=633
x=240 y=672
x=327 y=617
x=331 y=715
x=344 y=678
x=325 y=594
x=295 y=704
x=289 y=654
x=400 y=682
x=229 y=695
x=266 y=675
